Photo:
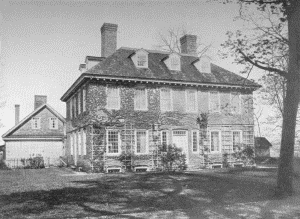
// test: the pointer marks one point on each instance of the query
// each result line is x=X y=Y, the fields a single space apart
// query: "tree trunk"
x=291 y=102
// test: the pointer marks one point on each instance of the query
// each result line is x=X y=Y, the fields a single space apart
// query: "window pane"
x=235 y=103
x=191 y=100
x=236 y=139
x=215 y=143
x=164 y=140
x=214 y=102
x=195 y=141
x=175 y=63
x=142 y=59
x=166 y=99
x=113 y=98
x=140 y=99
x=113 y=142
x=141 y=142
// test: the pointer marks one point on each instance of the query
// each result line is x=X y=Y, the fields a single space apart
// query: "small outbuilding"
x=262 y=147
x=40 y=134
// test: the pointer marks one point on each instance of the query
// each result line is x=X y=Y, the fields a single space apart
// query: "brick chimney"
x=17 y=114
x=39 y=100
x=189 y=44
x=108 y=39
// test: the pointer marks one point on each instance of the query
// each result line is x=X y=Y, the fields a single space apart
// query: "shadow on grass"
x=138 y=195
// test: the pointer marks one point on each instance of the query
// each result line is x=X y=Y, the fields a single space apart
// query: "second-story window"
x=235 y=101
x=84 y=99
x=36 y=123
x=140 y=99
x=191 y=100
x=113 y=98
x=53 y=123
x=166 y=99
x=214 y=102
x=79 y=101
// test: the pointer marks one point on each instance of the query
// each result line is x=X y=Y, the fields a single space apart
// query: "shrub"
x=172 y=158
x=225 y=160
x=245 y=154
x=126 y=159
x=3 y=165
x=33 y=162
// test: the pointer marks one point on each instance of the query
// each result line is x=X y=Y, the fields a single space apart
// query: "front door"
x=180 y=140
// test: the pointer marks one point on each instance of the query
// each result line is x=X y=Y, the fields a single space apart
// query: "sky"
x=42 y=43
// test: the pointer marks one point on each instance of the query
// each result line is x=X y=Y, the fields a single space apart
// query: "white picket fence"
x=23 y=162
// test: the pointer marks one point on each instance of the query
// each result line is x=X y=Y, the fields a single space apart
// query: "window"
x=195 y=141
x=75 y=143
x=205 y=67
x=248 y=138
x=165 y=99
x=84 y=100
x=36 y=123
x=79 y=102
x=164 y=137
x=70 y=107
x=235 y=101
x=214 y=102
x=191 y=99
x=113 y=98
x=175 y=63
x=236 y=140
x=79 y=134
x=53 y=123
x=71 y=144
x=84 y=142
x=74 y=107
x=215 y=141
x=112 y=142
x=141 y=60
x=140 y=99
x=141 y=142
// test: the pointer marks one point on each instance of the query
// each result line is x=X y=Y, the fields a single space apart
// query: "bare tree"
x=170 y=42
x=257 y=53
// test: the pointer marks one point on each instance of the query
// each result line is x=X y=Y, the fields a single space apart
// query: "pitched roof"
x=120 y=64
x=36 y=111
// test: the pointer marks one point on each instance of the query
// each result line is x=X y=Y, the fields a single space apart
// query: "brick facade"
x=178 y=119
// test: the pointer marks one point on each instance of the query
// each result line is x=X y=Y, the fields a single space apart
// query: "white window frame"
x=171 y=100
x=240 y=103
x=241 y=136
x=79 y=139
x=84 y=99
x=119 y=142
x=84 y=141
x=188 y=109
x=36 y=125
x=147 y=141
x=51 y=119
x=197 y=140
x=167 y=137
x=79 y=101
x=74 y=107
x=119 y=99
x=219 y=101
x=70 y=107
x=144 y=106
x=220 y=141
x=175 y=58
x=71 y=144
x=75 y=144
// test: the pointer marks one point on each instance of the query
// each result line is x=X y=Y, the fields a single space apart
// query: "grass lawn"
x=60 y=193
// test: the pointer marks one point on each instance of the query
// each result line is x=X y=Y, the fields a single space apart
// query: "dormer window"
x=203 y=65
x=173 y=62
x=140 y=58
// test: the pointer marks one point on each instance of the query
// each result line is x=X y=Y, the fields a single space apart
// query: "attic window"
x=175 y=63
x=203 y=65
x=141 y=60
